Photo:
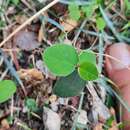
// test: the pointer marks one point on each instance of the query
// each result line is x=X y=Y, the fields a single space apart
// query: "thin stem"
x=25 y=127
x=79 y=31
x=79 y=109
x=110 y=24
x=100 y=59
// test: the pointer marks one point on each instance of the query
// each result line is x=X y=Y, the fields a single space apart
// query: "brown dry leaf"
x=41 y=66
x=40 y=34
x=114 y=128
x=112 y=111
x=21 y=18
x=98 y=127
x=52 y=98
x=69 y=24
x=75 y=101
x=30 y=74
x=26 y=40
x=5 y=124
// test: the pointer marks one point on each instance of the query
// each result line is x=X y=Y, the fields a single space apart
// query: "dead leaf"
x=26 y=40
x=5 y=124
x=114 y=128
x=98 y=127
x=75 y=101
x=40 y=34
x=41 y=66
x=112 y=111
x=30 y=74
x=21 y=18
x=52 y=98
x=69 y=24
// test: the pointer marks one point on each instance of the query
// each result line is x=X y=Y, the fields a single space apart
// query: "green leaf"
x=87 y=56
x=15 y=2
x=69 y=86
x=100 y=23
x=126 y=26
x=2 y=24
x=109 y=122
x=61 y=59
x=127 y=5
x=88 y=71
x=109 y=101
x=88 y=10
x=7 y=89
x=100 y=2
x=31 y=104
x=74 y=11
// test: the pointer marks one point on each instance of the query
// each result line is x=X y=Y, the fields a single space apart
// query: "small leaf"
x=74 y=11
x=69 y=86
x=60 y=59
x=100 y=2
x=88 y=71
x=2 y=23
x=126 y=26
x=15 y=2
x=109 y=122
x=7 y=89
x=88 y=10
x=100 y=23
x=127 y=5
x=31 y=104
x=69 y=24
x=87 y=56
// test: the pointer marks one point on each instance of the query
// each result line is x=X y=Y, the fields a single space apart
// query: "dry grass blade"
x=28 y=21
x=113 y=58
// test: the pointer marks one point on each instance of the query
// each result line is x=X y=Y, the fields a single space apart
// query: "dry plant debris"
x=90 y=27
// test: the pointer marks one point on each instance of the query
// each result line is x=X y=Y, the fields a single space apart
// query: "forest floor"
x=27 y=28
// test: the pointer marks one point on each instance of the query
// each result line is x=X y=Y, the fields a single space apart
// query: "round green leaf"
x=71 y=85
x=88 y=71
x=87 y=56
x=74 y=9
x=7 y=89
x=60 y=59
x=88 y=10
x=100 y=23
x=31 y=104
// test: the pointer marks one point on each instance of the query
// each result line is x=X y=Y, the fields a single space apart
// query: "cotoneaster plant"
x=73 y=67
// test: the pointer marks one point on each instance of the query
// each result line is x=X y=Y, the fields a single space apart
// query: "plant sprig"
x=63 y=60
